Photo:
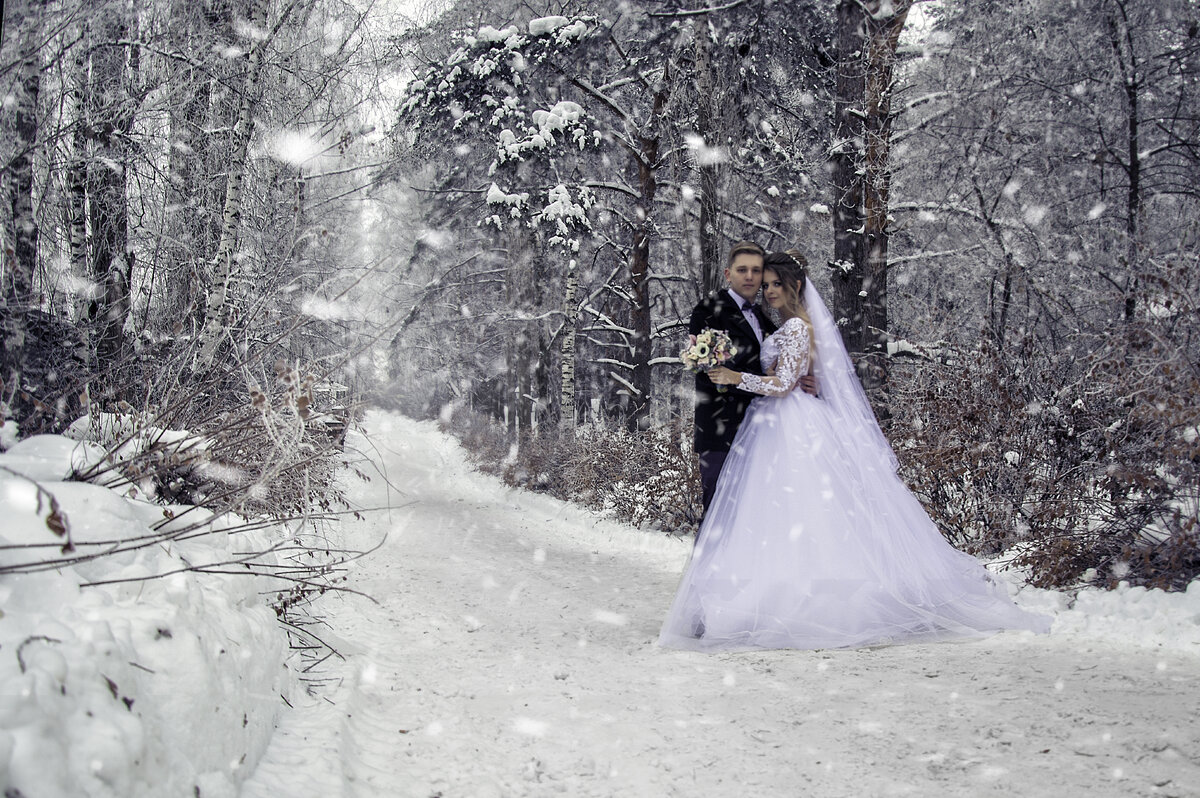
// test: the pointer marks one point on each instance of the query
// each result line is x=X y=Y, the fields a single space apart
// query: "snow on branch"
x=932 y=207
x=661 y=330
x=620 y=188
x=566 y=118
x=486 y=89
x=608 y=361
x=566 y=214
x=754 y=223
x=698 y=11
x=626 y=383
x=497 y=196
x=609 y=324
x=606 y=100
x=483 y=81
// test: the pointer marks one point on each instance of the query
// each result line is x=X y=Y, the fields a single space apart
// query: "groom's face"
x=744 y=275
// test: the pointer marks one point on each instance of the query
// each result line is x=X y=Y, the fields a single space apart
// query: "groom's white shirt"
x=748 y=312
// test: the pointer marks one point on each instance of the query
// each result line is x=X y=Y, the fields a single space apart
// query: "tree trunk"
x=220 y=19
x=1126 y=57
x=877 y=180
x=77 y=222
x=868 y=34
x=846 y=155
x=711 y=265
x=646 y=162
x=191 y=181
x=998 y=310
x=217 y=315
x=638 y=414
x=524 y=347
x=522 y=372
x=566 y=404
x=109 y=121
x=21 y=259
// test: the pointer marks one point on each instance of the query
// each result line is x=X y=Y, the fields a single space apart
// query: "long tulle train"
x=812 y=541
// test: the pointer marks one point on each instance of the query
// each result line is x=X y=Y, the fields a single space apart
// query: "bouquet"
x=712 y=348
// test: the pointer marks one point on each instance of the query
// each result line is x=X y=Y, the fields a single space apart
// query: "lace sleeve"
x=793 y=339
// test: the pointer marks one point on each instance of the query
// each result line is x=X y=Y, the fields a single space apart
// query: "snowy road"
x=511 y=654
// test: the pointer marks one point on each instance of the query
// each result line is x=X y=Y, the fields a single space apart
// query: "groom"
x=718 y=414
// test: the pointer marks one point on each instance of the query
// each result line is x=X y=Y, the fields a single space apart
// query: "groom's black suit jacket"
x=719 y=414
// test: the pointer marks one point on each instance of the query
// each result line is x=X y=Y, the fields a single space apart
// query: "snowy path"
x=511 y=654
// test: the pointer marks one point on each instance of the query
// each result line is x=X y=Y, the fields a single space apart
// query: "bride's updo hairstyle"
x=792 y=269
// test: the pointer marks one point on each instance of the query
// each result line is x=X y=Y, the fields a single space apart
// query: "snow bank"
x=1132 y=616
x=165 y=687
x=121 y=438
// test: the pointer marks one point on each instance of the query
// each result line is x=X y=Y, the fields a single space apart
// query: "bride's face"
x=772 y=286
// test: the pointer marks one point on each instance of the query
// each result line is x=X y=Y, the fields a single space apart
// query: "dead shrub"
x=648 y=480
x=1085 y=459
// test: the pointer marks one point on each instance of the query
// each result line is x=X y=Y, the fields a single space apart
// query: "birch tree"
x=20 y=257
x=218 y=311
x=566 y=402
x=199 y=129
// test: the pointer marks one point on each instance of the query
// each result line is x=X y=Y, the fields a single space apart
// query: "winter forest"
x=235 y=217
x=233 y=228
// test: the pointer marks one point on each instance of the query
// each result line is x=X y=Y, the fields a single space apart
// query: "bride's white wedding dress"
x=812 y=541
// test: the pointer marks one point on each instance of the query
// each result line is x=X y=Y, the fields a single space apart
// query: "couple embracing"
x=809 y=539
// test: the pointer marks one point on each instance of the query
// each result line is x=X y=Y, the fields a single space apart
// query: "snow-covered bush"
x=649 y=480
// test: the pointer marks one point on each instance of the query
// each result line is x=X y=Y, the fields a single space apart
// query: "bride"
x=812 y=541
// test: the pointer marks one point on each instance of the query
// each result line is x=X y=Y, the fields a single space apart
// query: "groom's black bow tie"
x=749 y=306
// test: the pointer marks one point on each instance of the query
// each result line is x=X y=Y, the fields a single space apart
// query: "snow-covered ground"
x=509 y=651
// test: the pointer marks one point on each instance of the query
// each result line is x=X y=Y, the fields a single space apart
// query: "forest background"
x=249 y=218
